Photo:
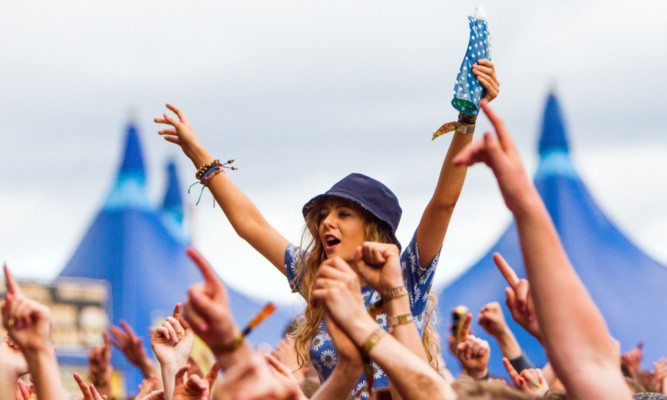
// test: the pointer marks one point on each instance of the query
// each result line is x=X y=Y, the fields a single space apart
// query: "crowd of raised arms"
x=366 y=331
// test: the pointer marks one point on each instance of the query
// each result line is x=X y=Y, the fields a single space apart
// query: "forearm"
x=435 y=220
x=410 y=376
x=245 y=218
x=509 y=345
x=574 y=331
x=340 y=383
x=406 y=334
x=45 y=373
x=229 y=359
x=147 y=368
x=7 y=384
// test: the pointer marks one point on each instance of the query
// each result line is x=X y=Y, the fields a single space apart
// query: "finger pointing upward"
x=210 y=280
x=506 y=270
x=12 y=286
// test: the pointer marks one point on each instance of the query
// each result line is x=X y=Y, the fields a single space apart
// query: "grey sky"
x=301 y=93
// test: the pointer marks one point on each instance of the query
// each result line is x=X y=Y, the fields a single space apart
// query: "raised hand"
x=12 y=361
x=379 y=265
x=485 y=72
x=131 y=345
x=337 y=287
x=195 y=387
x=172 y=342
x=148 y=385
x=207 y=307
x=472 y=352
x=27 y=321
x=89 y=391
x=632 y=360
x=251 y=379
x=99 y=364
x=530 y=380
x=519 y=300
x=502 y=156
x=491 y=318
x=182 y=134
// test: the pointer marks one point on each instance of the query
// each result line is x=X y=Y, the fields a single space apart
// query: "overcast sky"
x=301 y=93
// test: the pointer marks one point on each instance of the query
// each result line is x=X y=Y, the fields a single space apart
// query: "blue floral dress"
x=417 y=281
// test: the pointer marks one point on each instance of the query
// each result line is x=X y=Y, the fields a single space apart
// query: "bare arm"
x=29 y=326
x=435 y=220
x=245 y=218
x=585 y=361
x=337 y=286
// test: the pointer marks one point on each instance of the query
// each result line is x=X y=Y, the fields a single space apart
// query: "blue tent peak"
x=553 y=136
x=172 y=196
x=133 y=159
x=171 y=211
x=554 y=149
x=129 y=191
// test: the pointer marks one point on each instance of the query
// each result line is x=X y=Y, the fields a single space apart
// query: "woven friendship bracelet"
x=394 y=293
x=201 y=171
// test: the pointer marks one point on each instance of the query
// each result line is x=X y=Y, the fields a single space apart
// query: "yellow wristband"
x=373 y=339
x=393 y=320
x=229 y=347
x=394 y=293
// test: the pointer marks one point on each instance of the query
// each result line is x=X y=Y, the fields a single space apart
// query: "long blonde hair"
x=306 y=267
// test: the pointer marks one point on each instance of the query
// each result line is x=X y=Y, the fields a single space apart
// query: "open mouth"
x=331 y=241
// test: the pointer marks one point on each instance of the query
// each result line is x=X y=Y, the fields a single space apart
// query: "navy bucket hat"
x=373 y=196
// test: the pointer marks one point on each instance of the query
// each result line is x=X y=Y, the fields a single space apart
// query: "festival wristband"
x=394 y=320
x=373 y=339
x=394 y=293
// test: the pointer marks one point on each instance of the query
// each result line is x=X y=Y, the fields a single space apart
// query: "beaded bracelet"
x=201 y=171
x=206 y=172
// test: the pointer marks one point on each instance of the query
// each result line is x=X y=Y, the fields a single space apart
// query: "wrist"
x=199 y=155
x=361 y=328
x=477 y=373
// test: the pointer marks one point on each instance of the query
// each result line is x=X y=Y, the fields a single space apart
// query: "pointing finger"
x=506 y=270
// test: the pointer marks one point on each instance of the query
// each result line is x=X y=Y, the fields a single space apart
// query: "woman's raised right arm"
x=244 y=216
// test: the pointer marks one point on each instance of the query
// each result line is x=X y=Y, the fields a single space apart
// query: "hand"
x=632 y=360
x=491 y=318
x=99 y=362
x=127 y=342
x=12 y=361
x=28 y=322
x=182 y=134
x=500 y=154
x=89 y=392
x=379 y=265
x=252 y=379
x=207 y=307
x=154 y=395
x=337 y=287
x=172 y=342
x=660 y=375
x=348 y=353
x=279 y=368
x=284 y=352
x=519 y=301
x=148 y=386
x=530 y=380
x=486 y=75
x=472 y=352
x=195 y=387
